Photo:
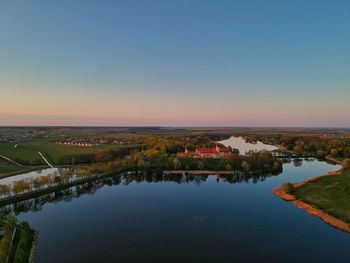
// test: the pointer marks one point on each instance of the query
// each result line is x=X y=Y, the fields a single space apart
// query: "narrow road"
x=46 y=161
x=8 y=159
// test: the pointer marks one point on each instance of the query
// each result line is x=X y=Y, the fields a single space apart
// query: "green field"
x=340 y=158
x=20 y=155
x=6 y=168
x=26 y=153
x=331 y=194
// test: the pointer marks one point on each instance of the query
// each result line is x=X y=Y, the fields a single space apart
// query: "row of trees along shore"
x=127 y=178
x=151 y=159
x=312 y=146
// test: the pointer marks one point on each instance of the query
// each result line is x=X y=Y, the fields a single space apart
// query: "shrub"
x=346 y=164
x=288 y=188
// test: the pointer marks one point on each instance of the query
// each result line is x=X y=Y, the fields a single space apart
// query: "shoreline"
x=198 y=172
x=327 y=218
x=6 y=200
x=27 y=169
x=331 y=159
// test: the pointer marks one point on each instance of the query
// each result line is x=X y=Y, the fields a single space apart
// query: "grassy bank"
x=330 y=194
x=20 y=155
x=16 y=241
x=8 y=169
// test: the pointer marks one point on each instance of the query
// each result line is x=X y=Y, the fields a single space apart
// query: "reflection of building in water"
x=216 y=152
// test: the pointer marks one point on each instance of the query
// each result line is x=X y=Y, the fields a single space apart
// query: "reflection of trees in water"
x=66 y=195
x=245 y=178
x=297 y=162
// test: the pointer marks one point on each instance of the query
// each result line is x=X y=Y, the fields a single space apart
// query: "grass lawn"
x=20 y=155
x=26 y=153
x=5 y=167
x=9 y=169
x=331 y=194
x=340 y=158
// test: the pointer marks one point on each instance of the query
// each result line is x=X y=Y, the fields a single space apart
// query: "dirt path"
x=46 y=161
x=9 y=160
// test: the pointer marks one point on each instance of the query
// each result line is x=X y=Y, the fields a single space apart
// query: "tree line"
x=150 y=160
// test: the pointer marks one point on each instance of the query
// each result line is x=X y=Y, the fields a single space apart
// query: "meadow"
x=26 y=153
x=331 y=194
x=6 y=168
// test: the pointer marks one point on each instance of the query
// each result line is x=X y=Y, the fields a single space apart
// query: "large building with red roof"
x=215 y=152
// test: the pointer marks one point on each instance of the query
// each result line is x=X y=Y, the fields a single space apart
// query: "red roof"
x=225 y=149
x=206 y=150
x=213 y=150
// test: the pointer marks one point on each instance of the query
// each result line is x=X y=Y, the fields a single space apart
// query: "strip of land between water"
x=198 y=172
x=284 y=194
x=32 y=194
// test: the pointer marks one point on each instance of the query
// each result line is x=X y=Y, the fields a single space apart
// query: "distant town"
x=89 y=142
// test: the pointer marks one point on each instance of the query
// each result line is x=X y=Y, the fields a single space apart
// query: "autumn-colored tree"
x=245 y=166
x=20 y=186
x=334 y=152
x=4 y=189
x=141 y=164
x=176 y=164
x=346 y=164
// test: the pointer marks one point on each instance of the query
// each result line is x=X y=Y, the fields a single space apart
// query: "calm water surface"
x=243 y=146
x=194 y=221
x=33 y=174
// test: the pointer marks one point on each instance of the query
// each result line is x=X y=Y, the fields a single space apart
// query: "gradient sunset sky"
x=175 y=63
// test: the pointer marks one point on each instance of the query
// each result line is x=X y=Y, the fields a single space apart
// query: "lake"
x=243 y=146
x=32 y=174
x=152 y=218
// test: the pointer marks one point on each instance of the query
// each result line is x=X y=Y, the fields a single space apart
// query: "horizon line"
x=170 y=126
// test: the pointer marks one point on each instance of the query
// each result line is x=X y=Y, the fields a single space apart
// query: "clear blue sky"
x=254 y=63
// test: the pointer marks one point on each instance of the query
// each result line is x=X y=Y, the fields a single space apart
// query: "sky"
x=175 y=63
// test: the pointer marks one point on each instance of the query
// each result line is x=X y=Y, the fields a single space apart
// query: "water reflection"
x=244 y=147
x=66 y=195
x=297 y=162
x=34 y=174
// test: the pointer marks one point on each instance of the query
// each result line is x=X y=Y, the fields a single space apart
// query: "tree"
x=346 y=164
x=320 y=154
x=163 y=148
x=288 y=188
x=176 y=164
x=38 y=182
x=245 y=166
x=276 y=166
x=200 y=165
x=4 y=189
x=141 y=164
x=298 y=149
x=20 y=186
x=228 y=167
x=334 y=152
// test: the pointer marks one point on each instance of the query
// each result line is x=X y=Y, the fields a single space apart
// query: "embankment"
x=35 y=193
x=329 y=219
